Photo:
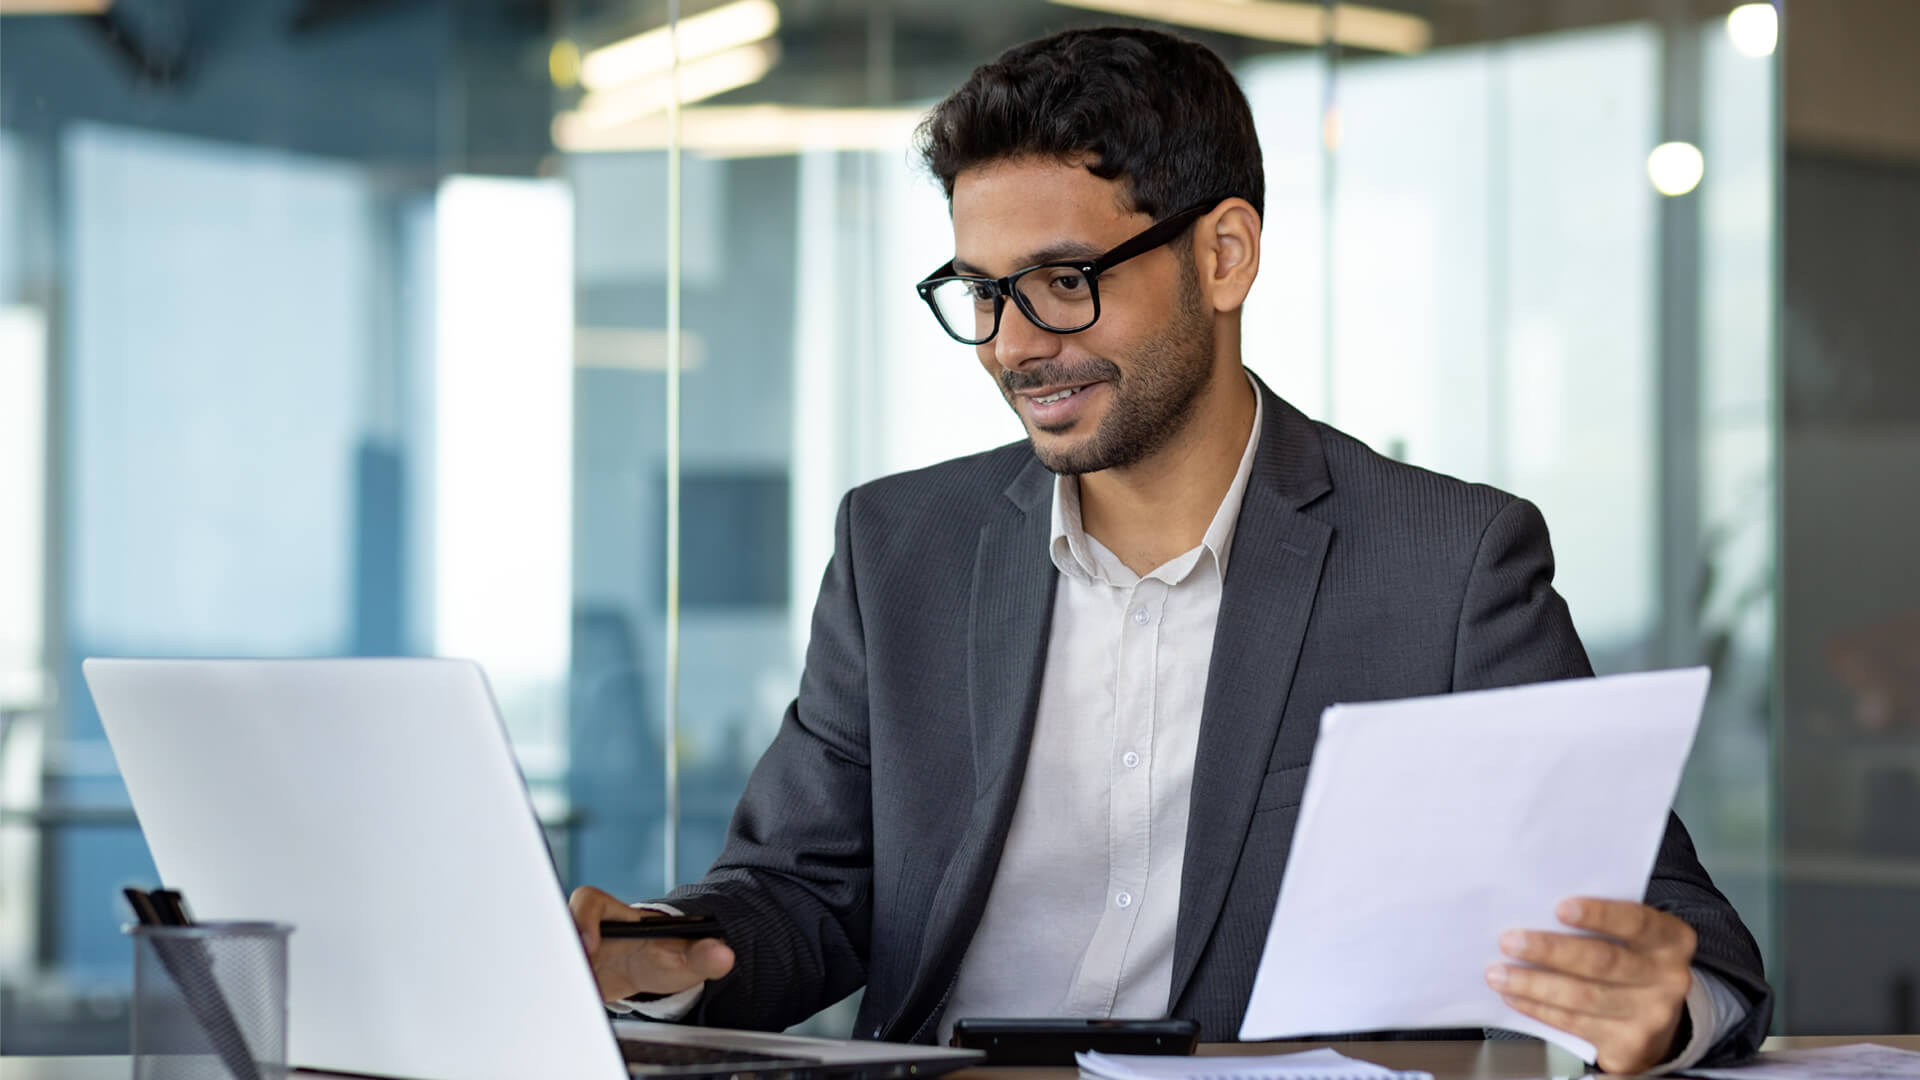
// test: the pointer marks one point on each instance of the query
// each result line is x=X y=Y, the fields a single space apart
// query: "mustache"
x=1092 y=370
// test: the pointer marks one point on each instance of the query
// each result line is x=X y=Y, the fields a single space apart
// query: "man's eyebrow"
x=1061 y=252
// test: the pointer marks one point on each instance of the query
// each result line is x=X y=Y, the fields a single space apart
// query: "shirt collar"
x=1074 y=552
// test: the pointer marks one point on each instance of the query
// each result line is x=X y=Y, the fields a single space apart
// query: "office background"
x=345 y=327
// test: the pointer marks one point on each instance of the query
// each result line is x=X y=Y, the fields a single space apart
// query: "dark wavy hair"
x=1159 y=112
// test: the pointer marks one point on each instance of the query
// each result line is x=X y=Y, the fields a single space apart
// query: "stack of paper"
x=1310 y=1065
x=1856 y=1061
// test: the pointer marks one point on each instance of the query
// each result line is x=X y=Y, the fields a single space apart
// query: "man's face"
x=1130 y=378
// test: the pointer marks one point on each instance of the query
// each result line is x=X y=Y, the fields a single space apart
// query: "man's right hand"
x=624 y=967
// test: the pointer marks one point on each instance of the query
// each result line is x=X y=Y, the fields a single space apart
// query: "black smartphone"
x=1054 y=1042
x=665 y=926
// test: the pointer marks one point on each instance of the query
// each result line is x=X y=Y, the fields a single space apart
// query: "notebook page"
x=1306 y=1065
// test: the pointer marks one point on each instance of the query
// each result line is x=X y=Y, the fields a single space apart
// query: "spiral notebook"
x=1306 y=1065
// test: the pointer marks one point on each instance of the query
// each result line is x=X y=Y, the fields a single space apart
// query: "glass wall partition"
x=287 y=307
x=1850 y=454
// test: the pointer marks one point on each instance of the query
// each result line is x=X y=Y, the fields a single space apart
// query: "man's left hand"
x=1625 y=991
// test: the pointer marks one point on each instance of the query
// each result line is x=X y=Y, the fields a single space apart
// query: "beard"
x=1151 y=402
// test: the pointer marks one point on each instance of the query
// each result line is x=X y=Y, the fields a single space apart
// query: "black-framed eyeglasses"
x=1058 y=297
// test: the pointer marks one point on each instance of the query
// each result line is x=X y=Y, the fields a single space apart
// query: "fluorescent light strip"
x=748 y=131
x=1354 y=25
x=726 y=27
x=697 y=81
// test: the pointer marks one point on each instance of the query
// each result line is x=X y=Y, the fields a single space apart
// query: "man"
x=1060 y=697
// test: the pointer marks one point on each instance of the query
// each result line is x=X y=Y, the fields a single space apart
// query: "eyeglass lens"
x=1058 y=298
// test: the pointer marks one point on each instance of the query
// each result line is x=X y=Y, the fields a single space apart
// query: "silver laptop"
x=376 y=806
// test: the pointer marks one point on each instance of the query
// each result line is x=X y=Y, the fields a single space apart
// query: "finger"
x=590 y=907
x=1591 y=1028
x=1590 y=958
x=584 y=904
x=1568 y=993
x=1618 y=1048
x=1636 y=924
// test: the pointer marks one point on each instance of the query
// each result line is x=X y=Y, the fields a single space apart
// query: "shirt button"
x=1140 y=616
x=1131 y=760
x=1125 y=899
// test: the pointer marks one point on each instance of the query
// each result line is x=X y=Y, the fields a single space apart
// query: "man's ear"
x=1226 y=253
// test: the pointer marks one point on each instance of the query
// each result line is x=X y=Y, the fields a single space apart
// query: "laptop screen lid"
x=375 y=805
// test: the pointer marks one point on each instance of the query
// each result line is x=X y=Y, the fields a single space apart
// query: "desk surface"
x=1506 y=1059
x=1510 y=1060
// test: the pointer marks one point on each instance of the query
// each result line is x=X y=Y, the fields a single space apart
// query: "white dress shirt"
x=1080 y=920
x=1081 y=916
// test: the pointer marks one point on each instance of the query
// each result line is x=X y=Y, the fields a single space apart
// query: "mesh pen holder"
x=210 y=1001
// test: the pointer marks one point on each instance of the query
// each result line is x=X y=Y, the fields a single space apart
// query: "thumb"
x=710 y=958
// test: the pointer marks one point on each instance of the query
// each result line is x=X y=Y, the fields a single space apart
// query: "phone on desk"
x=1054 y=1042
x=665 y=926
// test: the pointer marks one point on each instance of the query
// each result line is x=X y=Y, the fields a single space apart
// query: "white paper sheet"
x=1854 y=1061
x=1429 y=826
x=1304 y=1065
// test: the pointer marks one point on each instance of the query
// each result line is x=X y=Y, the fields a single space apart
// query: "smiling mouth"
x=1058 y=396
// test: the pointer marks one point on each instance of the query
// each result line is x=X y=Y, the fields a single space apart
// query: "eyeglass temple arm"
x=1152 y=238
x=1146 y=241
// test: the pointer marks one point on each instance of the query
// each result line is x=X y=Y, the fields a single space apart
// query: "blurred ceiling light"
x=697 y=81
x=1676 y=168
x=54 y=7
x=1754 y=28
x=1298 y=23
x=728 y=26
x=732 y=131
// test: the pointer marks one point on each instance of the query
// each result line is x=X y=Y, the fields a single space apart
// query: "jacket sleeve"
x=1514 y=628
x=793 y=885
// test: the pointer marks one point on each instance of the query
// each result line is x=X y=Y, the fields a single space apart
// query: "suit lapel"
x=1273 y=572
x=1010 y=615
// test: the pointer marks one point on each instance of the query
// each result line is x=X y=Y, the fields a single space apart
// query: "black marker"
x=187 y=963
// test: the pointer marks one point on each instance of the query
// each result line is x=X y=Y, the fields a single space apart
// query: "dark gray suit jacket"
x=867 y=839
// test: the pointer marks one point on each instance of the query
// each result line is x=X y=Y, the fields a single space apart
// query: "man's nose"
x=1020 y=341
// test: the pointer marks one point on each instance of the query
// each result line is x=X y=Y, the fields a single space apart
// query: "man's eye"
x=981 y=292
x=1069 y=282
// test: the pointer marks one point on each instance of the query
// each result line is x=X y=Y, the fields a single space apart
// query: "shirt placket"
x=1130 y=799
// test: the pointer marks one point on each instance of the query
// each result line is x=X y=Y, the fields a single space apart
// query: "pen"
x=666 y=926
x=171 y=906
x=189 y=966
